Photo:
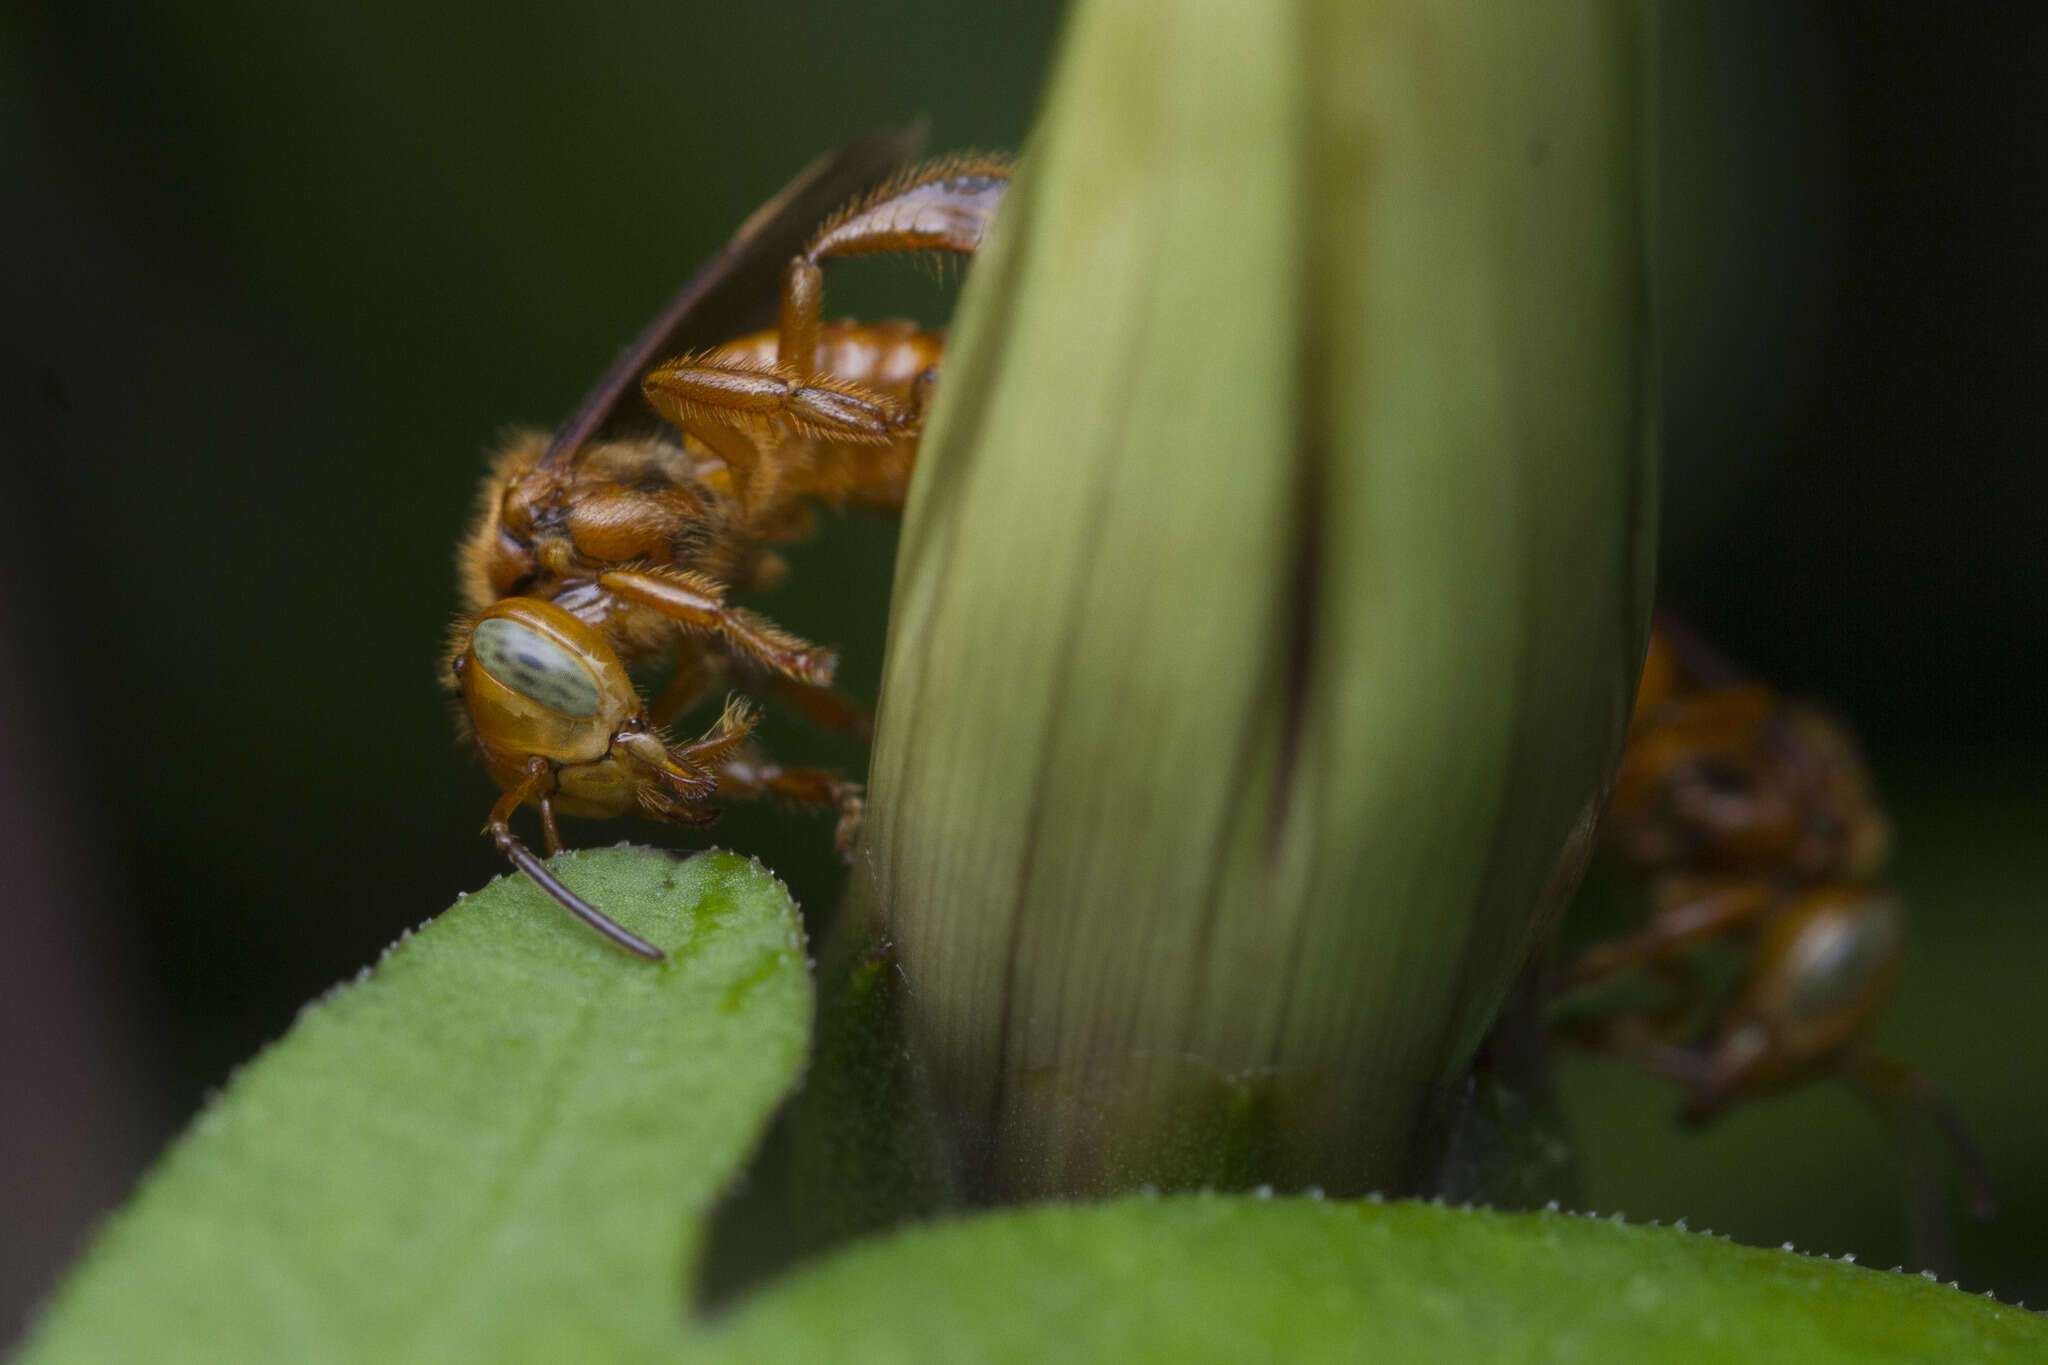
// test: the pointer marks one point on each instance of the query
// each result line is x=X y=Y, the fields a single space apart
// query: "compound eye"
x=535 y=667
x=1845 y=955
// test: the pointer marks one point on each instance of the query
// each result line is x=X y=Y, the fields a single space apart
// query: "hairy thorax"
x=548 y=532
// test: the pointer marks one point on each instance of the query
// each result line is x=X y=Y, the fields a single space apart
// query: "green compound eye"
x=1841 y=961
x=535 y=667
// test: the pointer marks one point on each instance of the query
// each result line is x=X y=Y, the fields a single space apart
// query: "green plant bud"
x=1272 y=590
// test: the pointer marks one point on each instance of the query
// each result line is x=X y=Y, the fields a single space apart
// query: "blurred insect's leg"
x=753 y=774
x=698 y=604
x=538 y=782
x=1688 y=997
x=826 y=708
x=1693 y=916
x=1917 y=1108
x=1922 y=1118
x=1709 y=1076
x=1635 y=1039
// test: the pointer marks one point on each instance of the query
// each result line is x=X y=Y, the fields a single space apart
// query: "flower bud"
x=1272 y=590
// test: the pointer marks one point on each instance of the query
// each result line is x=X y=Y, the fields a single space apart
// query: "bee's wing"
x=735 y=291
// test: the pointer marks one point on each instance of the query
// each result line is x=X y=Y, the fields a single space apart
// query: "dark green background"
x=276 y=276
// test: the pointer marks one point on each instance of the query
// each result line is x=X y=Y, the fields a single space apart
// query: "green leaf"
x=1206 y=1278
x=501 y=1145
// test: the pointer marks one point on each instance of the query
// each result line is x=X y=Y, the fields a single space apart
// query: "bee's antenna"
x=523 y=859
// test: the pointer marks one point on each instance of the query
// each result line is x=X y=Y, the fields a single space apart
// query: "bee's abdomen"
x=885 y=356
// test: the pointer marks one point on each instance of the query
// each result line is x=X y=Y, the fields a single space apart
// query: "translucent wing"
x=735 y=291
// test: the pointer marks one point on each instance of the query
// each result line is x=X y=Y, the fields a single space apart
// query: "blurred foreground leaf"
x=499 y=1146
x=1210 y=1278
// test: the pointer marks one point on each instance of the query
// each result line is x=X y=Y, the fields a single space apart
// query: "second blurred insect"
x=1754 y=826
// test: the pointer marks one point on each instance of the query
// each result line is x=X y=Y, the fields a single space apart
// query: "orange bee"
x=1753 y=821
x=617 y=542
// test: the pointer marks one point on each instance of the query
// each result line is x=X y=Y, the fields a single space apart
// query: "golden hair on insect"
x=618 y=542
